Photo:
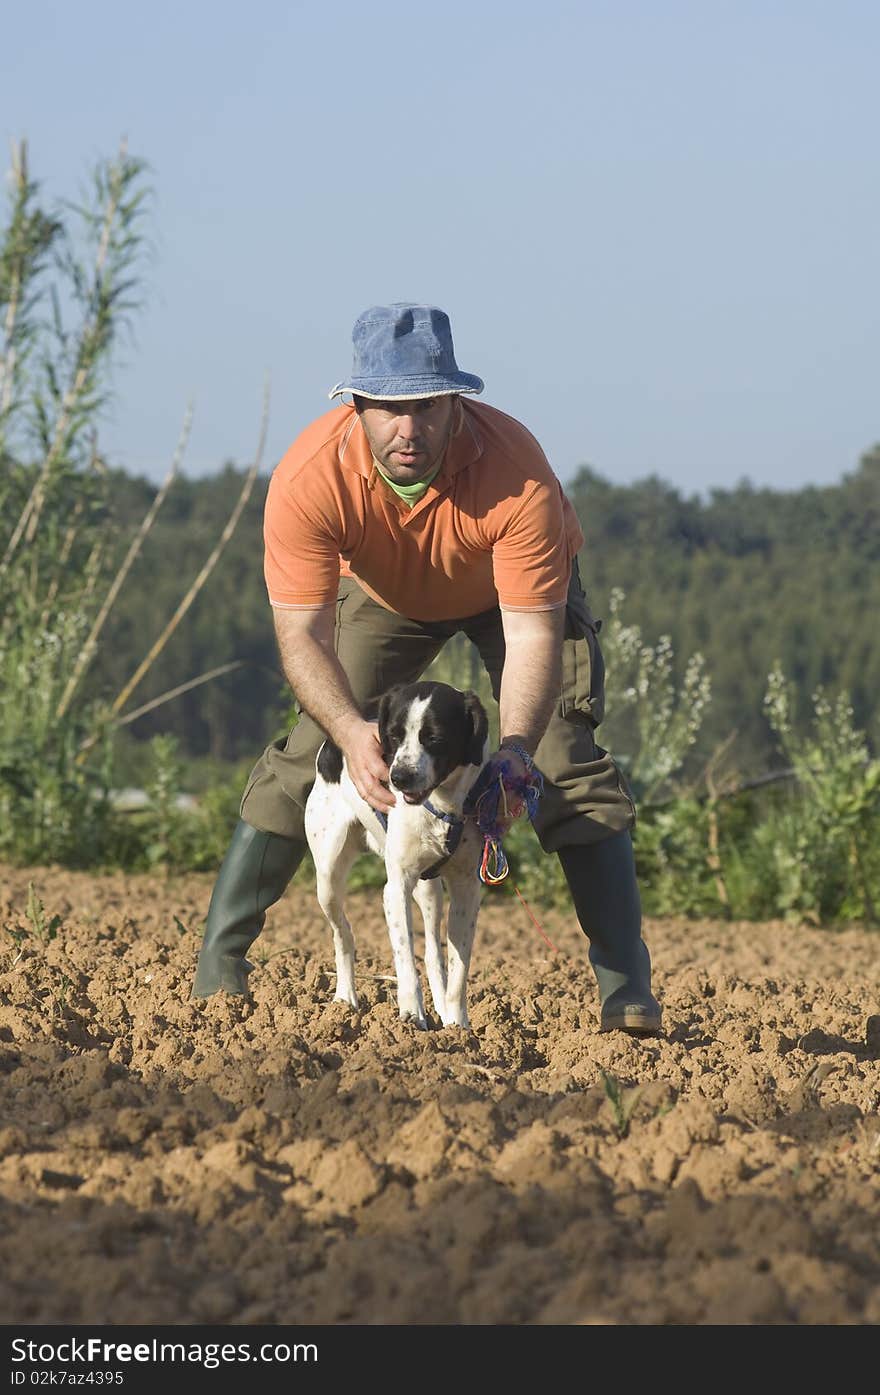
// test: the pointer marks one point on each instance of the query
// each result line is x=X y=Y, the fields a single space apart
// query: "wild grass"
x=70 y=283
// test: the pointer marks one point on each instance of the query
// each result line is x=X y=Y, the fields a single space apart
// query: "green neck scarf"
x=410 y=493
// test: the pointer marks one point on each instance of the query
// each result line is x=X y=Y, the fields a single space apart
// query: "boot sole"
x=638 y=1024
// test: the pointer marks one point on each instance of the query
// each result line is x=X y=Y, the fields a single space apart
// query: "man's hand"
x=305 y=643
x=517 y=770
x=502 y=763
x=366 y=766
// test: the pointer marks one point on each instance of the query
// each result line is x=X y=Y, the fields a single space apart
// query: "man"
x=391 y=525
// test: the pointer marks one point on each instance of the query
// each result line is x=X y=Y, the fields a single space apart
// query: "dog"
x=434 y=740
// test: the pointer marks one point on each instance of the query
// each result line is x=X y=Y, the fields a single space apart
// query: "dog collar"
x=439 y=814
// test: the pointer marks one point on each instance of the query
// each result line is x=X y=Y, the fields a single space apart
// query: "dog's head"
x=427 y=731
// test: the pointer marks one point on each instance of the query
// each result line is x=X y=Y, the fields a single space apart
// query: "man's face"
x=408 y=438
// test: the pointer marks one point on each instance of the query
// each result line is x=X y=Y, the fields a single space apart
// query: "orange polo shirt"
x=493 y=527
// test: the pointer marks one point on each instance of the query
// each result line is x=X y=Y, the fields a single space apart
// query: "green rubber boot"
x=254 y=875
x=602 y=881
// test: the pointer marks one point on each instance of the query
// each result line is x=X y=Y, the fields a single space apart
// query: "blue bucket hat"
x=404 y=351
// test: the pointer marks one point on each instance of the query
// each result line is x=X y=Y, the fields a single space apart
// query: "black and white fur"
x=434 y=741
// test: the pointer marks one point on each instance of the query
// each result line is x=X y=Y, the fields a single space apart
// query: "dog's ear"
x=478 y=722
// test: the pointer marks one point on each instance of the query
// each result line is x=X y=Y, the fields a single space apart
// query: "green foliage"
x=234 y=717
x=52 y=808
x=169 y=834
x=43 y=930
x=53 y=554
x=212 y=825
x=38 y=930
x=671 y=847
x=165 y=822
x=66 y=547
x=821 y=850
x=623 y=1101
x=743 y=577
x=652 y=724
x=24 y=253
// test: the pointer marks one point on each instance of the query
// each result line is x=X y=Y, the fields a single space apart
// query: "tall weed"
x=68 y=287
x=652 y=723
x=54 y=557
x=821 y=849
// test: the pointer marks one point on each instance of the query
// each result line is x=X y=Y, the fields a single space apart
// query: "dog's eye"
x=431 y=743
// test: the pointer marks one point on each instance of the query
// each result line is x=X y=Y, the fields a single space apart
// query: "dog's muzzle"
x=410 y=783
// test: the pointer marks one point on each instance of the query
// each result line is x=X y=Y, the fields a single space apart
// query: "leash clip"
x=493 y=864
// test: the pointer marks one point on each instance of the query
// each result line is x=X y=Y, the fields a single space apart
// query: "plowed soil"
x=289 y=1160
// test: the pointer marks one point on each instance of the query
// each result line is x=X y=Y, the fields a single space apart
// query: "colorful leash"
x=507 y=797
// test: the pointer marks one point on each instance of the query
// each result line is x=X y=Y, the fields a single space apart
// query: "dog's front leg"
x=397 y=898
x=429 y=899
x=464 y=905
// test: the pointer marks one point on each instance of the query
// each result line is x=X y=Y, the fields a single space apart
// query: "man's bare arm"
x=531 y=680
x=308 y=657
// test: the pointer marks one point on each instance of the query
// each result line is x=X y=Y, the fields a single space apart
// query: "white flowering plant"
x=821 y=848
x=662 y=718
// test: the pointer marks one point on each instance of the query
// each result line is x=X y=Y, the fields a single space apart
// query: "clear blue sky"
x=654 y=225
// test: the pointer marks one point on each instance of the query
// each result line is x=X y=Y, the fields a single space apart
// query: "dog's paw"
x=457 y=1020
x=417 y=1019
x=455 y=1013
x=350 y=997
